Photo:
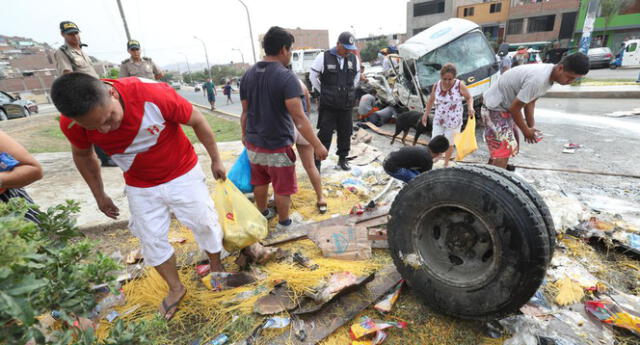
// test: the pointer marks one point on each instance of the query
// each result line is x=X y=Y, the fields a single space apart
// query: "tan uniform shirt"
x=145 y=68
x=73 y=60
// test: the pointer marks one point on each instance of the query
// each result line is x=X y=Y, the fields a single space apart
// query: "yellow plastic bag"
x=242 y=223
x=466 y=141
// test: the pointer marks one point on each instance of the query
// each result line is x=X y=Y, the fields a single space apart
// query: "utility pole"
x=206 y=55
x=587 y=28
x=253 y=48
x=241 y=55
x=187 y=60
x=124 y=20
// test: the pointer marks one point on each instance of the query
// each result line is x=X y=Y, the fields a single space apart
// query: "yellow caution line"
x=484 y=81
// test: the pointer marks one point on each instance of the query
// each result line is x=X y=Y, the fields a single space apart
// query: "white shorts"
x=449 y=133
x=187 y=197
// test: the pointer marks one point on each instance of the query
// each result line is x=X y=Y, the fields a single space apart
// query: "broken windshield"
x=468 y=53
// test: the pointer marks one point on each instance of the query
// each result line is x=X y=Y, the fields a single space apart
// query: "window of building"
x=541 y=24
x=418 y=30
x=567 y=25
x=515 y=26
x=427 y=8
x=495 y=8
x=468 y=12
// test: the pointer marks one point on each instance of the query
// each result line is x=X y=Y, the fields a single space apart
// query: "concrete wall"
x=528 y=10
x=483 y=15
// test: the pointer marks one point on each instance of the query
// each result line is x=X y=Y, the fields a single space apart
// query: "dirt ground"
x=607 y=146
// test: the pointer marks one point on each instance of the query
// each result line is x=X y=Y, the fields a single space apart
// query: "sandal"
x=322 y=207
x=167 y=309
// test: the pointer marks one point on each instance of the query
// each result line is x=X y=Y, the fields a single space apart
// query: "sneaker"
x=284 y=228
x=269 y=214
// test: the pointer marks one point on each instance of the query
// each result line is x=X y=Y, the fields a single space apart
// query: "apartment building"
x=490 y=15
x=423 y=14
x=540 y=21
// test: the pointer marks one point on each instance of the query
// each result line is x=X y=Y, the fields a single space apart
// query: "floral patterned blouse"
x=448 y=106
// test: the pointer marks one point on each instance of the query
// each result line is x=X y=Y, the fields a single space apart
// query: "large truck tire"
x=469 y=241
x=533 y=195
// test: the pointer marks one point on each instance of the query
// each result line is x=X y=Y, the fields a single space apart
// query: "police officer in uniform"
x=137 y=66
x=70 y=58
x=335 y=74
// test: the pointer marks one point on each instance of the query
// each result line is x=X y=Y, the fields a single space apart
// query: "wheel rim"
x=457 y=246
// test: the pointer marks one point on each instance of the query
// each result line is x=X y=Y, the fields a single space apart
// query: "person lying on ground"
x=305 y=150
x=410 y=161
x=18 y=169
x=518 y=89
x=447 y=94
x=138 y=122
x=382 y=116
x=271 y=111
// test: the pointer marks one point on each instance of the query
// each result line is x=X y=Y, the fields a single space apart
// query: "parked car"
x=14 y=107
x=599 y=57
x=175 y=85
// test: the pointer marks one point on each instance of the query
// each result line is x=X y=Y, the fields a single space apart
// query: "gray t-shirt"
x=265 y=87
x=366 y=104
x=526 y=83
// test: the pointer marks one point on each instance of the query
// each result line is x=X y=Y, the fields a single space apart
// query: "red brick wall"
x=25 y=83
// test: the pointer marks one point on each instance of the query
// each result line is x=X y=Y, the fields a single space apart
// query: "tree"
x=370 y=51
x=113 y=73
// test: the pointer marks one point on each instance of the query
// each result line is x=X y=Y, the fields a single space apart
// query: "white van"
x=458 y=41
x=301 y=61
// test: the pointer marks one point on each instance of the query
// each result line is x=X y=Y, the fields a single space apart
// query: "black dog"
x=411 y=119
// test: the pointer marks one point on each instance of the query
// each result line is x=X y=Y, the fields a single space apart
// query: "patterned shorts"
x=500 y=134
x=277 y=167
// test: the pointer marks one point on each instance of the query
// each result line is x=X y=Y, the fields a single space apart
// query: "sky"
x=166 y=28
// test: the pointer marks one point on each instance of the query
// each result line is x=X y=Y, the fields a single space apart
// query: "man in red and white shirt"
x=137 y=122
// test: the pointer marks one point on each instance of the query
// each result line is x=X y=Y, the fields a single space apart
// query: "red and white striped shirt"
x=149 y=146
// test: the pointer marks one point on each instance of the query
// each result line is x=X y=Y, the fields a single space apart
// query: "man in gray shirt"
x=366 y=104
x=518 y=89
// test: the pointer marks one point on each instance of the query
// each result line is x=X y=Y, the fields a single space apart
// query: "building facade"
x=533 y=21
x=490 y=15
x=621 y=27
x=423 y=14
x=304 y=39
x=391 y=39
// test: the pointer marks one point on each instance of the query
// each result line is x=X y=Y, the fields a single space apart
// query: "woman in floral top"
x=448 y=94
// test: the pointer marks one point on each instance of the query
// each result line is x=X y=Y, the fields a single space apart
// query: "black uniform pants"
x=330 y=120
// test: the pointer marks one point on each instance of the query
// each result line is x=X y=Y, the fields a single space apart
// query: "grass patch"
x=47 y=137
x=225 y=130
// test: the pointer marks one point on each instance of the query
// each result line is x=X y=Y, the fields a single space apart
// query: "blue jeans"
x=404 y=174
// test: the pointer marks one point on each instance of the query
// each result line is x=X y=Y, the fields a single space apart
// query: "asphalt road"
x=221 y=100
x=620 y=73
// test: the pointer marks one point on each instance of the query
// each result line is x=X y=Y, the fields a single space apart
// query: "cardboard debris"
x=278 y=300
x=342 y=242
x=336 y=284
x=361 y=136
x=363 y=154
x=341 y=309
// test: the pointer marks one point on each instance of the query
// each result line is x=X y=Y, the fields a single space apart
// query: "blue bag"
x=7 y=162
x=240 y=173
